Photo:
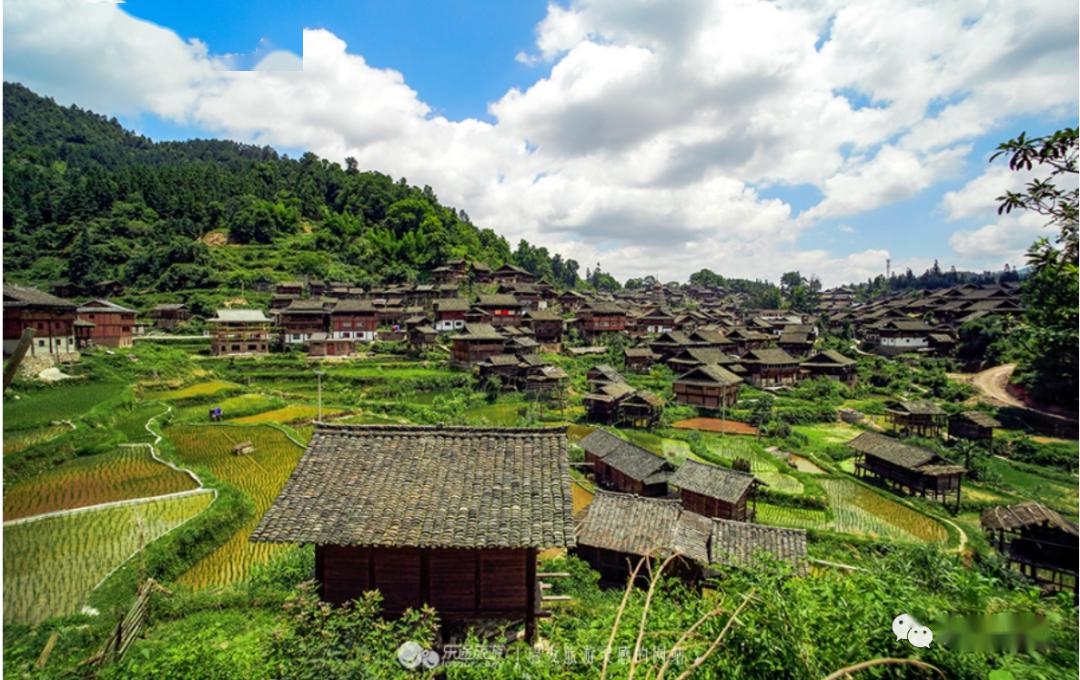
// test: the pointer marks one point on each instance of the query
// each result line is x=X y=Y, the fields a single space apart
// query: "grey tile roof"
x=1022 y=515
x=629 y=459
x=24 y=296
x=920 y=407
x=709 y=375
x=632 y=524
x=769 y=357
x=737 y=543
x=352 y=306
x=452 y=305
x=424 y=486
x=891 y=450
x=712 y=481
x=979 y=418
x=827 y=358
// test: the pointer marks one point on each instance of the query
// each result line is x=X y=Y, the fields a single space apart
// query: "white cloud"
x=1001 y=242
x=647 y=125
x=978 y=198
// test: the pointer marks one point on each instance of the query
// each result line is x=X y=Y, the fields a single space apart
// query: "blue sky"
x=748 y=138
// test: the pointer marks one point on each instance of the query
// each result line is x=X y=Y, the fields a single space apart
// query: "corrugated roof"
x=422 y=486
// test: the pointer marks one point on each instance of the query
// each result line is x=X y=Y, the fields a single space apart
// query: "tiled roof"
x=632 y=524
x=770 y=357
x=24 y=296
x=709 y=375
x=422 y=486
x=828 y=357
x=103 y=305
x=736 y=543
x=351 y=306
x=920 y=407
x=498 y=300
x=629 y=459
x=891 y=450
x=712 y=481
x=479 y=331
x=1022 y=515
x=979 y=418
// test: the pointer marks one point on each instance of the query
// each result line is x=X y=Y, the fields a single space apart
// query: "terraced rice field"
x=20 y=440
x=260 y=475
x=119 y=475
x=41 y=407
x=858 y=510
x=294 y=413
x=799 y=518
x=133 y=423
x=806 y=465
x=52 y=564
x=231 y=407
x=778 y=481
x=203 y=389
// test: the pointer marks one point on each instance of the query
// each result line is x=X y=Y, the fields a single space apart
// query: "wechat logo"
x=905 y=627
x=412 y=656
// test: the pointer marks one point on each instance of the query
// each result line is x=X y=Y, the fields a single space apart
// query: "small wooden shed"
x=622 y=466
x=973 y=425
x=448 y=516
x=1042 y=542
x=715 y=491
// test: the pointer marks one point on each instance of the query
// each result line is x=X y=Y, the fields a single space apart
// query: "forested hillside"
x=86 y=201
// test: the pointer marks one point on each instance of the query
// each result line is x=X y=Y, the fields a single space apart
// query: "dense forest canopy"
x=87 y=201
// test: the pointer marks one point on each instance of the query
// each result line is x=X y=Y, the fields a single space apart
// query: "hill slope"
x=87 y=201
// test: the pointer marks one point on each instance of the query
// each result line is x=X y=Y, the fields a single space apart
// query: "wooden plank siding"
x=714 y=507
x=459 y=583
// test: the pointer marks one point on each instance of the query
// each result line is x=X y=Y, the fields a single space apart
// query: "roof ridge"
x=459 y=429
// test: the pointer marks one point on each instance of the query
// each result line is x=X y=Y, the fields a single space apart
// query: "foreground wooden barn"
x=1040 y=541
x=618 y=529
x=448 y=516
x=911 y=469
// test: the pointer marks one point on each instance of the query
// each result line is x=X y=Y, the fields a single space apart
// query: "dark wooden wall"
x=714 y=507
x=459 y=583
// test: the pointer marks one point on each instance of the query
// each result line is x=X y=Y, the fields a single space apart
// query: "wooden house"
x=52 y=318
x=830 y=364
x=454 y=271
x=542 y=378
x=475 y=344
x=450 y=314
x=898 y=335
x=508 y=273
x=715 y=491
x=617 y=403
x=113 y=325
x=920 y=417
x=618 y=529
x=571 y=300
x=603 y=373
x=528 y=295
x=500 y=310
x=795 y=343
x=1042 y=543
x=239 y=331
x=707 y=386
x=354 y=320
x=974 y=426
x=546 y=325
x=301 y=320
x=169 y=315
x=690 y=357
x=619 y=465
x=422 y=335
x=910 y=469
x=467 y=545
x=295 y=288
x=771 y=368
x=671 y=343
x=322 y=344
x=655 y=321
x=639 y=359
x=600 y=318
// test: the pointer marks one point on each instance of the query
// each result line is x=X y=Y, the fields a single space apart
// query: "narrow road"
x=992 y=384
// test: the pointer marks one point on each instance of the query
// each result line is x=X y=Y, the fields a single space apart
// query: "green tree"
x=1047 y=366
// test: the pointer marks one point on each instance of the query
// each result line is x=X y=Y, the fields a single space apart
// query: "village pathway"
x=993 y=383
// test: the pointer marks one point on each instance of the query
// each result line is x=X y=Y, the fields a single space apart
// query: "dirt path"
x=992 y=385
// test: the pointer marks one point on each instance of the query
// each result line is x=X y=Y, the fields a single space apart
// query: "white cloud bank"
x=638 y=143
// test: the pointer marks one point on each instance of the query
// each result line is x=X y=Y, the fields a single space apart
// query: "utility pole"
x=319 y=375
